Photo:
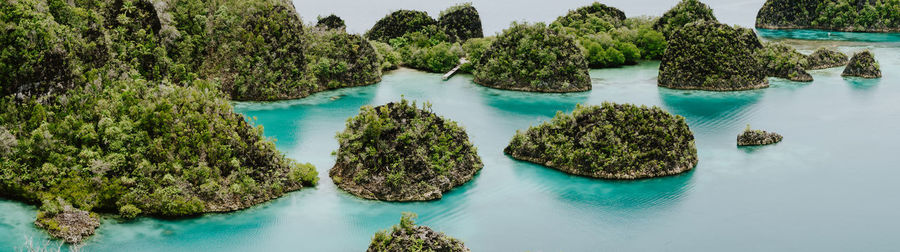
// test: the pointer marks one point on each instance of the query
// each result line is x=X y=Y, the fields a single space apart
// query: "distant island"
x=835 y=15
x=863 y=65
x=399 y=152
x=611 y=141
x=751 y=137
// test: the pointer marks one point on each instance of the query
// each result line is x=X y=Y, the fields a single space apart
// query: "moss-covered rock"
x=838 y=15
x=534 y=58
x=612 y=141
x=757 y=137
x=409 y=237
x=461 y=22
x=331 y=22
x=782 y=61
x=825 y=58
x=399 y=152
x=863 y=65
x=712 y=56
x=685 y=12
x=337 y=59
x=399 y=23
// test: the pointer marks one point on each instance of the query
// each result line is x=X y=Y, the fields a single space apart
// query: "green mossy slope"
x=685 y=12
x=398 y=23
x=461 y=23
x=837 y=15
x=399 y=152
x=612 y=141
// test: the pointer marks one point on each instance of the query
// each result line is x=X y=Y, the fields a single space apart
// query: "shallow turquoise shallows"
x=831 y=185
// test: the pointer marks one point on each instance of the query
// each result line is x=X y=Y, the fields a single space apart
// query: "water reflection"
x=712 y=110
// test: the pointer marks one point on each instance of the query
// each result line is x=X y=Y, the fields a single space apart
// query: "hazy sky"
x=496 y=15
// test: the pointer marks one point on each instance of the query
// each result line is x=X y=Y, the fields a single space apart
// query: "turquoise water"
x=829 y=186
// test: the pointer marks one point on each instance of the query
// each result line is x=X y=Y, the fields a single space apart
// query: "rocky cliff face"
x=837 y=15
x=712 y=56
x=863 y=65
x=612 y=141
x=398 y=152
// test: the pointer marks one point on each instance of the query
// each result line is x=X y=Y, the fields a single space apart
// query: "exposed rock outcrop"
x=863 y=65
x=70 y=224
x=398 y=152
x=534 y=58
x=712 y=56
x=409 y=237
x=612 y=141
x=757 y=137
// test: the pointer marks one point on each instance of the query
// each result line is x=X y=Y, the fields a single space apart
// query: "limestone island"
x=782 y=61
x=461 y=22
x=707 y=55
x=399 y=23
x=399 y=152
x=685 y=12
x=409 y=237
x=863 y=65
x=824 y=58
x=70 y=224
x=757 y=137
x=331 y=22
x=834 y=15
x=611 y=141
x=533 y=58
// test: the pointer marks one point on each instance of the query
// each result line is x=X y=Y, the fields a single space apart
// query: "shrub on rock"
x=757 y=137
x=825 y=58
x=839 y=15
x=399 y=152
x=532 y=57
x=407 y=236
x=863 y=65
x=590 y=19
x=337 y=59
x=399 y=23
x=612 y=141
x=331 y=22
x=461 y=23
x=712 y=56
x=685 y=12
x=782 y=61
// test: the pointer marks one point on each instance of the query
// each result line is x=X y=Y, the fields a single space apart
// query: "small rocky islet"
x=409 y=237
x=751 y=137
x=399 y=152
x=863 y=65
x=610 y=141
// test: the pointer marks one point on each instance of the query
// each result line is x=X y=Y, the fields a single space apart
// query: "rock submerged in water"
x=611 y=141
x=824 y=58
x=65 y=222
x=863 y=65
x=757 y=137
x=407 y=236
x=707 y=55
x=533 y=58
x=398 y=152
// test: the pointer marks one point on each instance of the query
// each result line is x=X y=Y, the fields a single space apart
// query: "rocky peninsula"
x=399 y=152
x=549 y=62
x=611 y=141
x=834 y=15
x=409 y=237
x=708 y=55
x=757 y=137
x=863 y=65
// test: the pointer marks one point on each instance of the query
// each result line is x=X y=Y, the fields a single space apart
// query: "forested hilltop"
x=838 y=15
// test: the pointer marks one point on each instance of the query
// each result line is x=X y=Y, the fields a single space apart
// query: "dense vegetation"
x=840 y=15
x=533 y=57
x=712 y=56
x=685 y=12
x=398 y=23
x=782 y=61
x=337 y=59
x=331 y=22
x=428 y=49
x=614 y=141
x=609 y=39
x=751 y=137
x=117 y=106
x=825 y=58
x=398 y=152
x=461 y=22
x=407 y=236
x=863 y=65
